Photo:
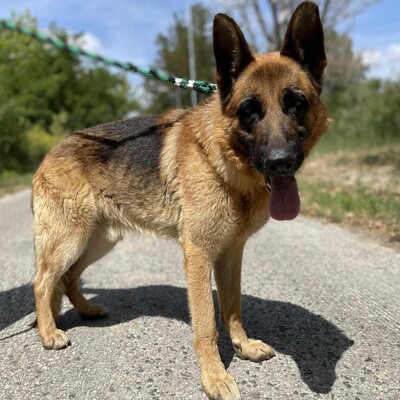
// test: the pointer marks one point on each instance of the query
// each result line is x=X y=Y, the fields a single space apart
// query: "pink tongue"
x=285 y=201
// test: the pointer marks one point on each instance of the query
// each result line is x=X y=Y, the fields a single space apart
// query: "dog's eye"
x=250 y=113
x=295 y=103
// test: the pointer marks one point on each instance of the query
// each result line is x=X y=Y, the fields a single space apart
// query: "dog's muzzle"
x=278 y=165
x=279 y=160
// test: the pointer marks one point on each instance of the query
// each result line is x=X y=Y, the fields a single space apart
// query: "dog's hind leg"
x=54 y=256
x=98 y=246
x=63 y=224
x=227 y=272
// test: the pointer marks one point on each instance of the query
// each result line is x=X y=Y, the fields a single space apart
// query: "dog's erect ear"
x=231 y=51
x=304 y=41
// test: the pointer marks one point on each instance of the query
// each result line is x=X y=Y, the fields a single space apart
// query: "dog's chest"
x=253 y=211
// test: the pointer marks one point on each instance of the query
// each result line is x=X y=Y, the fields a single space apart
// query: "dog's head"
x=273 y=100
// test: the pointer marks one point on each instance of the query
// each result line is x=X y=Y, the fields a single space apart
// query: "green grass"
x=11 y=182
x=338 y=204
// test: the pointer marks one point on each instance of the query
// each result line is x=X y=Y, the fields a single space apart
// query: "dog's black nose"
x=280 y=161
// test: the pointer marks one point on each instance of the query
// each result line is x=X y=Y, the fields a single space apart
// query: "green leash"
x=199 y=86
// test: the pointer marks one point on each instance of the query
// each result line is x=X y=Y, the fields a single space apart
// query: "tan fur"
x=209 y=198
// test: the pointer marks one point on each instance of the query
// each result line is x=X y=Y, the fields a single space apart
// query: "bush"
x=365 y=115
x=45 y=92
x=37 y=143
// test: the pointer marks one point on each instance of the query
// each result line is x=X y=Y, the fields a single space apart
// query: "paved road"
x=326 y=300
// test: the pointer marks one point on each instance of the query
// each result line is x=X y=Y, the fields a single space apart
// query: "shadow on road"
x=15 y=304
x=314 y=343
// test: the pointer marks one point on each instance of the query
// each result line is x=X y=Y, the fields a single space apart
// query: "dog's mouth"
x=284 y=202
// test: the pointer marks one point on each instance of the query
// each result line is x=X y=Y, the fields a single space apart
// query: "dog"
x=208 y=177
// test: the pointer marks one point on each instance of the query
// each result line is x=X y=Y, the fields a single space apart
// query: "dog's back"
x=114 y=169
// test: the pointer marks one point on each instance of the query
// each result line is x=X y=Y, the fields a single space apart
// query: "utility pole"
x=192 y=57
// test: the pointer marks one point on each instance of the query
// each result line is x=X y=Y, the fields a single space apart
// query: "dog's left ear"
x=231 y=51
x=304 y=41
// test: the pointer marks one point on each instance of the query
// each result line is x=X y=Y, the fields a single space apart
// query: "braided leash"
x=199 y=86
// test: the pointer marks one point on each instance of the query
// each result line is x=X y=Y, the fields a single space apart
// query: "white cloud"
x=394 y=51
x=90 y=42
x=371 y=57
x=384 y=63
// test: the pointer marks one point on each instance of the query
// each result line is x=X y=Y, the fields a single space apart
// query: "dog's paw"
x=93 y=311
x=253 y=350
x=220 y=386
x=55 y=339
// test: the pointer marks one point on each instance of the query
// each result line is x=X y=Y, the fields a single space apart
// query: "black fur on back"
x=134 y=142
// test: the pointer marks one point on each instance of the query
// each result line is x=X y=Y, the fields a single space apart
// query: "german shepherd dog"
x=208 y=177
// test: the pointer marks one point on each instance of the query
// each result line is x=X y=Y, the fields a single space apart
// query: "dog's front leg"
x=228 y=275
x=216 y=382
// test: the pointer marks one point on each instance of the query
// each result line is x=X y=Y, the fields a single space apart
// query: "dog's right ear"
x=231 y=51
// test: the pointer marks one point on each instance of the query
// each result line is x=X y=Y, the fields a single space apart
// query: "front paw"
x=54 y=339
x=220 y=386
x=253 y=350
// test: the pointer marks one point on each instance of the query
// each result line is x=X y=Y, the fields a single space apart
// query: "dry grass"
x=358 y=189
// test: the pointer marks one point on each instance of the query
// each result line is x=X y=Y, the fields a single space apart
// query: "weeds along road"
x=326 y=300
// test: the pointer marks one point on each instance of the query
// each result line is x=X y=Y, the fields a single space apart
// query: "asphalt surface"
x=326 y=300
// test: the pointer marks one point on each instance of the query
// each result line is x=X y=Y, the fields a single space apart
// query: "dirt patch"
x=348 y=181
x=355 y=169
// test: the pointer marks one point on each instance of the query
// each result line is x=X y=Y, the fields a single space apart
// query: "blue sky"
x=126 y=29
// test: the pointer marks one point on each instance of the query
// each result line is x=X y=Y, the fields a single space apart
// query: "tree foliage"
x=173 y=57
x=265 y=22
x=345 y=68
x=364 y=115
x=46 y=93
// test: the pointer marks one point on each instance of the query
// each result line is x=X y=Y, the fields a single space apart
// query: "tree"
x=364 y=116
x=272 y=17
x=173 y=58
x=45 y=92
x=344 y=67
